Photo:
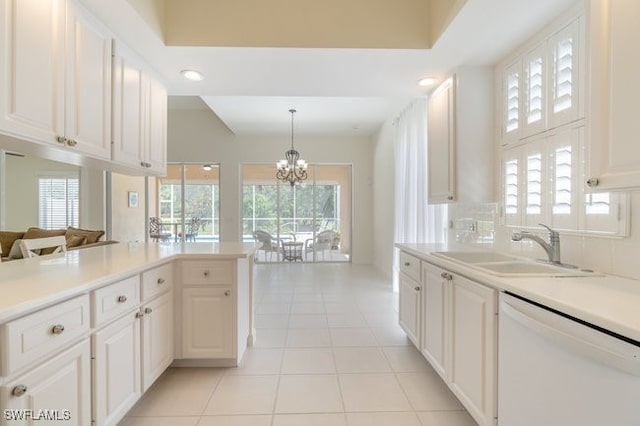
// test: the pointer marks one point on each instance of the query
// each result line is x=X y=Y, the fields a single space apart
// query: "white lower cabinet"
x=59 y=389
x=157 y=338
x=434 y=324
x=207 y=322
x=459 y=329
x=116 y=369
x=410 y=307
x=473 y=331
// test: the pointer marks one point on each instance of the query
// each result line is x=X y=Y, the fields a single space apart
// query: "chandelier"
x=292 y=169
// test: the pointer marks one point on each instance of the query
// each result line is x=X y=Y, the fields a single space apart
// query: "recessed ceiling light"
x=427 y=81
x=192 y=75
x=207 y=167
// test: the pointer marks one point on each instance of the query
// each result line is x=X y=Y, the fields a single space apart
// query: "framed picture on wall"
x=133 y=199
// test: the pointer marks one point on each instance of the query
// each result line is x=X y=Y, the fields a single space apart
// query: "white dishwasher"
x=556 y=370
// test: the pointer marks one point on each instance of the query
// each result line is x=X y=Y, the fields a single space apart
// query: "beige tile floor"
x=328 y=352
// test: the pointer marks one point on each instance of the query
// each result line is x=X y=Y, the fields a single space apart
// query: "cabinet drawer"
x=410 y=265
x=41 y=333
x=156 y=281
x=114 y=300
x=219 y=272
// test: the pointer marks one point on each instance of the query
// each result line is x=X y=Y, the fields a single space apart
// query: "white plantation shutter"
x=563 y=74
x=562 y=193
x=59 y=200
x=535 y=89
x=511 y=186
x=598 y=204
x=512 y=107
x=534 y=183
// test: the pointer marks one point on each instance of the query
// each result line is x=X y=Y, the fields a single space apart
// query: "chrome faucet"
x=552 y=247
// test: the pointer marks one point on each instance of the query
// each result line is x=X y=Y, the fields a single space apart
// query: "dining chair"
x=320 y=243
x=27 y=247
x=155 y=230
x=193 y=227
x=268 y=244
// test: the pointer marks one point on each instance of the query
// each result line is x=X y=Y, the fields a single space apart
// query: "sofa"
x=76 y=238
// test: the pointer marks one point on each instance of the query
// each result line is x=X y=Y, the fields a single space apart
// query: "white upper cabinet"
x=614 y=66
x=55 y=71
x=460 y=138
x=139 y=114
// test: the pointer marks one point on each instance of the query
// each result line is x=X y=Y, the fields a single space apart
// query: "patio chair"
x=322 y=241
x=267 y=243
x=58 y=244
x=193 y=226
x=155 y=230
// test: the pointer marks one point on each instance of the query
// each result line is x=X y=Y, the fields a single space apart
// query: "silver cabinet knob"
x=142 y=163
x=61 y=140
x=122 y=299
x=417 y=288
x=591 y=182
x=206 y=273
x=407 y=263
x=447 y=276
x=148 y=310
x=71 y=142
x=19 y=390
x=160 y=281
x=57 y=329
x=227 y=293
x=139 y=314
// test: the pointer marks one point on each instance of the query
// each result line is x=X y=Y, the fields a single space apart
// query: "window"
x=59 y=199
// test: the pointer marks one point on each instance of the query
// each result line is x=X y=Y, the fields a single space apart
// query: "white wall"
x=127 y=223
x=383 y=196
x=199 y=136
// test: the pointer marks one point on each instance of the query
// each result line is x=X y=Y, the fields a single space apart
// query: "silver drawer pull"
x=417 y=288
x=139 y=314
x=57 y=329
x=206 y=273
x=122 y=299
x=160 y=281
x=19 y=390
x=148 y=310
x=446 y=276
x=407 y=263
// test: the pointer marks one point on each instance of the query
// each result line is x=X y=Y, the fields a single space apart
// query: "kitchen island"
x=89 y=331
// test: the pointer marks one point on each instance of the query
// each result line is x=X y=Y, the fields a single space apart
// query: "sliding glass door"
x=307 y=222
x=189 y=203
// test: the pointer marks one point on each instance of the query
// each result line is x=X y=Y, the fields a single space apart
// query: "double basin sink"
x=500 y=264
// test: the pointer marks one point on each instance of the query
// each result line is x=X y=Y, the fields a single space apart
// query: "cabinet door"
x=441 y=146
x=88 y=84
x=157 y=338
x=116 y=369
x=62 y=384
x=127 y=107
x=32 y=92
x=156 y=128
x=410 y=308
x=473 y=348
x=207 y=323
x=435 y=327
x=614 y=151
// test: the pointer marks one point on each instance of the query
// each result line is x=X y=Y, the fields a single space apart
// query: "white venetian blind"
x=562 y=181
x=511 y=186
x=535 y=96
x=534 y=183
x=512 y=101
x=563 y=74
x=59 y=199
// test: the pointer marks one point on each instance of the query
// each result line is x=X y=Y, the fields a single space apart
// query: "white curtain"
x=415 y=220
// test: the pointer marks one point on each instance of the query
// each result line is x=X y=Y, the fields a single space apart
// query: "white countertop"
x=30 y=284
x=607 y=301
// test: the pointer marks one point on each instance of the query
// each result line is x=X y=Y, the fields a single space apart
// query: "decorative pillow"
x=15 y=252
x=92 y=236
x=6 y=240
x=34 y=232
x=76 y=240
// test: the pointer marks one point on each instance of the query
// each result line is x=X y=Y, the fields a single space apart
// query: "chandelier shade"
x=292 y=169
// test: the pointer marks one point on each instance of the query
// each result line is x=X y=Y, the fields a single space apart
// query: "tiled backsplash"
x=479 y=224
